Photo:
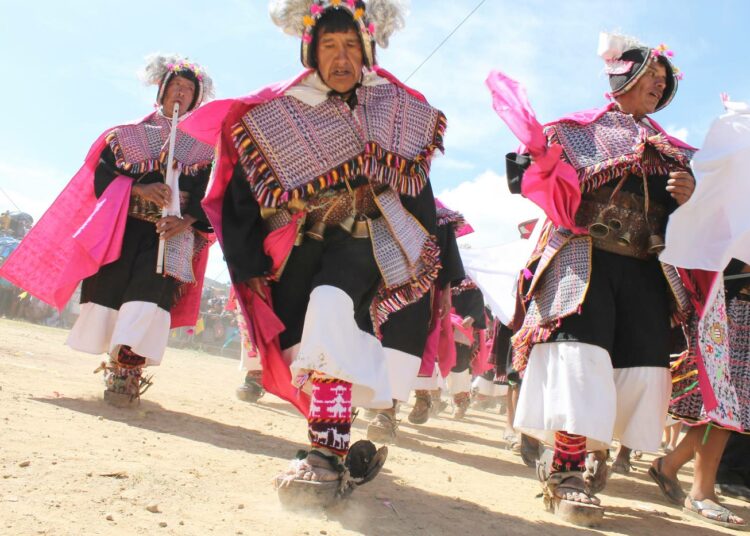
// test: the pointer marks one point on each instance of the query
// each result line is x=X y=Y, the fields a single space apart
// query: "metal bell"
x=317 y=231
x=296 y=205
x=656 y=244
x=599 y=229
x=267 y=212
x=624 y=239
x=614 y=224
x=347 y=223
x=360 y=228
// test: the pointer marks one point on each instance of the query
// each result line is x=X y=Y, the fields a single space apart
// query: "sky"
x=70 y=71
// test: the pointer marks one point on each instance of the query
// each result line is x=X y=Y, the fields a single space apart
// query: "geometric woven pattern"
x=289 y=149
x=615 y=143
x=144 y=147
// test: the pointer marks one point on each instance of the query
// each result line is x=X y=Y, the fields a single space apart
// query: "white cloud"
x=454 y=164
x=681 y=133
x=31 y=187
x=490 y=208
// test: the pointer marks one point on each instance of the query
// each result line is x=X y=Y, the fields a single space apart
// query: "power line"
x=467 y=17
x=11 y=200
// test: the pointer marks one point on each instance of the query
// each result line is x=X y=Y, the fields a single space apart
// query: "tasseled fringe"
x=183 y=169
x=599 y=175
x=524 y=339
x=614 y=168
x=453 y=218
x=684 y=370
x=200 y=243
x=463 y=286
x=404 y=176
x=150 y=164
x=390 y=300
x=665 y=147
x=137 y=168
x=676 y=364
x=684 y=393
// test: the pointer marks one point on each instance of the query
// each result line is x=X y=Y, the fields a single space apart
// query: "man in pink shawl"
x=595 y=341
x=322 y=203
x=440 y=352
x=105 y=228
x=469 y=323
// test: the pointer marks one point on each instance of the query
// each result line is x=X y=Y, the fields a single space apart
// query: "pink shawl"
x=549 y=182
x=440 y=346
x=212 y=124
x=78 y=234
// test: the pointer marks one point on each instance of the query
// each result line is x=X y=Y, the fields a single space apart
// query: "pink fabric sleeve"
x=550 y=182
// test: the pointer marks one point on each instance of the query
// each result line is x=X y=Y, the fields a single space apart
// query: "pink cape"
x=549 y=182
x=481 y=363
x=553 y=188
x=212 y=124
x=440 y=346
x=78 y=234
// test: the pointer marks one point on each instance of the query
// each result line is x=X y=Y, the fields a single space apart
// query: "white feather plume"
x=388 y=17
x=288 y=15
x=157 y=66
x=612 y=45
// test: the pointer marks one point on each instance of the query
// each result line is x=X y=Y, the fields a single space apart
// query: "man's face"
x=643 y=98
x=340 y=60
x=179 y=90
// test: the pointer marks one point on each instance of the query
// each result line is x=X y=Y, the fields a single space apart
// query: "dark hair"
x=336 y=20
x=187 y=75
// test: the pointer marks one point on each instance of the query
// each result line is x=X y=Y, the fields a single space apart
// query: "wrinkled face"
x=179 y=90
x=339 y=58
x=643 y=98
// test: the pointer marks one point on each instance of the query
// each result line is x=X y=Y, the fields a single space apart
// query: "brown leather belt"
x=328 y=208
x=618 y=224
x=144 y=210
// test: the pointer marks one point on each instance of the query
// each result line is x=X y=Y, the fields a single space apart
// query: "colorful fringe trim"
x=150 y=164
x=637 y=163
x=463 y=286
x=404 y=176
x=684 y=377
x=447 y=216
x=524 y=339
x=390 y=300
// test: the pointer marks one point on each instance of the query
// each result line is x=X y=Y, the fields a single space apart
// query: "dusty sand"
x=207 y=461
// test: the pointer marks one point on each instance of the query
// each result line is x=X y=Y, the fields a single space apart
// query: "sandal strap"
x=335 y=462
x=716 y=511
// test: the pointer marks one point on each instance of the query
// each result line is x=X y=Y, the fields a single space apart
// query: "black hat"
x=627 y=61
x=162 y=69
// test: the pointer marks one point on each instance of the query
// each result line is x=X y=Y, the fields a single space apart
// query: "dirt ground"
x=204 y=461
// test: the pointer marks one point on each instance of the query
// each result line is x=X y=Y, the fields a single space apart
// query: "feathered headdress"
x=376 y=20
x=626 y=60
x=161 y=68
